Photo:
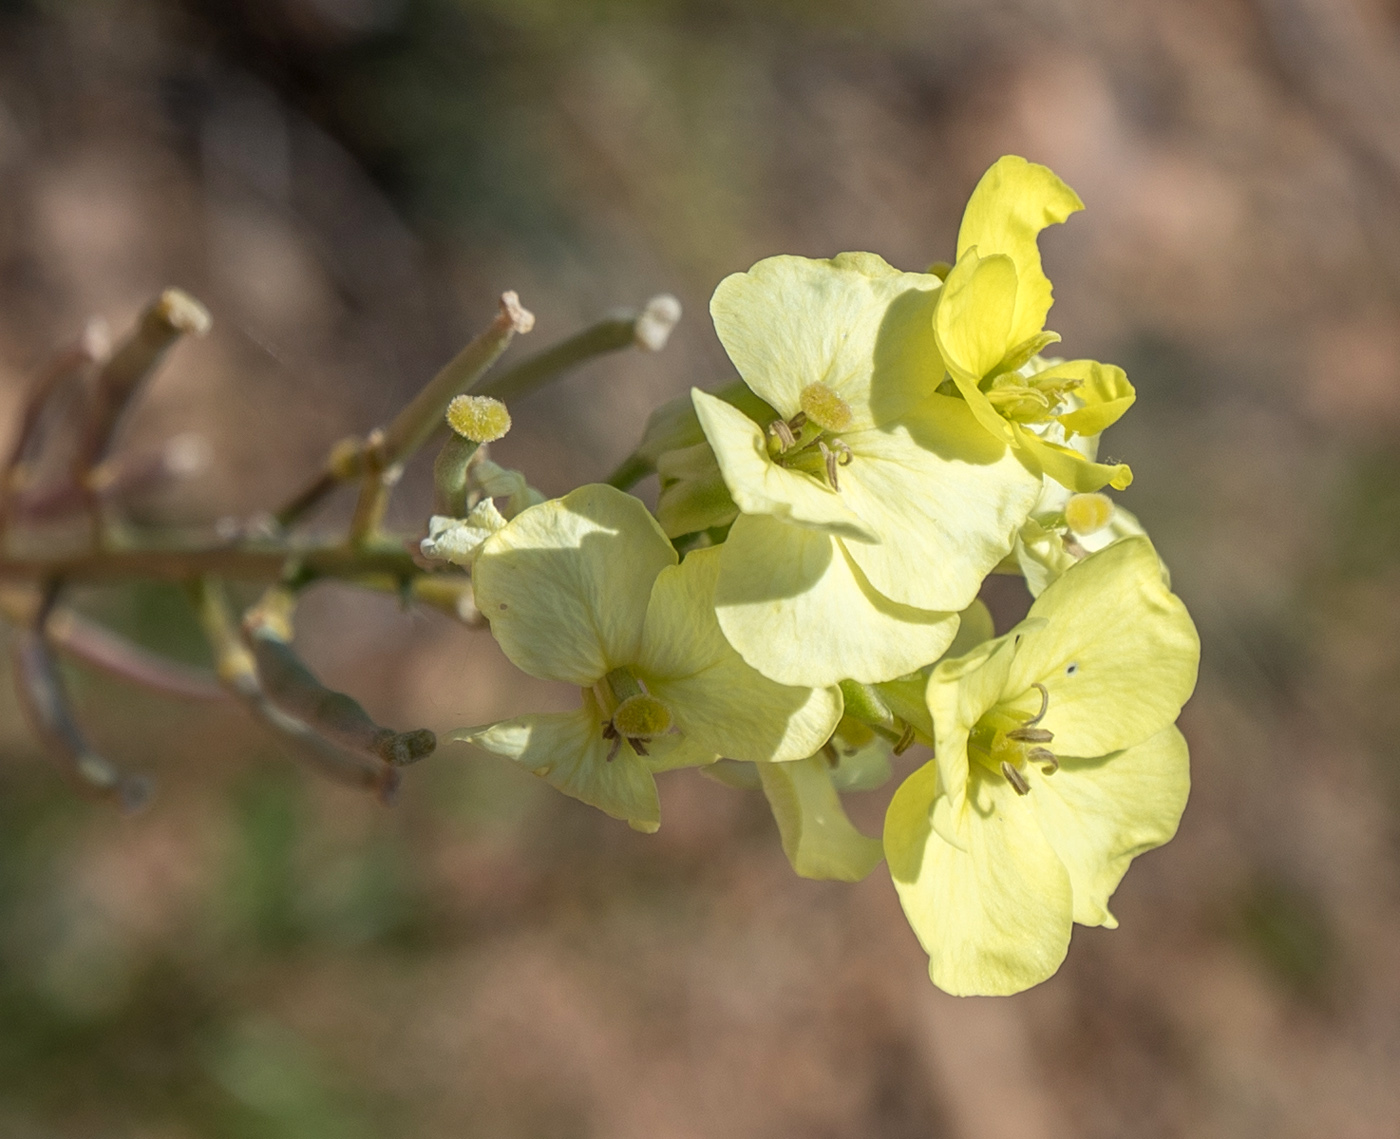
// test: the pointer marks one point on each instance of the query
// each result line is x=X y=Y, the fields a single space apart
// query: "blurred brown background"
x=348 y=184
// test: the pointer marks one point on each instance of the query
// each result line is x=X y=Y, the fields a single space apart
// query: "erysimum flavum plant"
x=798 y=613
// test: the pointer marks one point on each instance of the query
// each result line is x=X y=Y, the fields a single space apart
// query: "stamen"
x=638 y=746
x=829 y=456
x=1046 y=756
x=1044 y=705
x=1031 y=735
x=906 y=740
x=1015 y=778
x=783 y=433
x=616 y=743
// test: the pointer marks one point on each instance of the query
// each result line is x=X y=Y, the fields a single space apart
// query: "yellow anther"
x=478 y=418
x=1085 y=513
x=641 y=717
x=825 y=408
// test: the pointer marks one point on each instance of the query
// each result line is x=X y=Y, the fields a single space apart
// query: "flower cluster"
x=804 y=604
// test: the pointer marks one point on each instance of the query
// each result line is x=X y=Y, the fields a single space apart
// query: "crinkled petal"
x=1042 y=556
x=1104 y=394
x=1117 y=652
x=994 y=918
x=568 y=750
x=565 y=585
x=716 y=699
x=459 y=540
x=945 y=500
x=1012 y=203
x=972 y=321
x=759 y=486
x=791 y=321
x=1100 y=814
x=1069 y=467
x=797 y=608
x=818 y=838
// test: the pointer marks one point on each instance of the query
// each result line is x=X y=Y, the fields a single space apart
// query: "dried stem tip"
x=479 y=418
x=181 y=312
x=516 y=315
x=656 y=322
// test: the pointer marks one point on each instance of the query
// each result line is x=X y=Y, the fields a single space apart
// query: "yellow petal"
x=994 y=918
x=972 y=322
x=799 y=610
x=568 y=750
x=1104 y=392
x=1069 y=467
x=565 y=584
x=791 y=321
x=818 y=838
x=717 y=700
x=1100 y=814
x=959 y=691
x=944 y=499
x=1116 y=651
x=1012 y=203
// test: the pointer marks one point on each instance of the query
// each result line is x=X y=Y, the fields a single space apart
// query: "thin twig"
x=248 y=561
x=173 y=315
x=648 y=329
x=44 y=698
x=91 y=346
x=239 y=673
x=383 y=451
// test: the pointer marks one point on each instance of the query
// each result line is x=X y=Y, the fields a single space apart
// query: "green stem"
x=252 y=561
x=632 y=470
x=647 y=329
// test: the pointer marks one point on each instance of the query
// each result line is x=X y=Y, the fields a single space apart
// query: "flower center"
x=1032 y=400
x=637 y=716
x=1008 y=742
x=807 y=441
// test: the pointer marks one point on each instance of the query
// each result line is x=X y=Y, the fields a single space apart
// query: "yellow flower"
x=1057 y=762
x=586 y=589
x=990 y=325
x=870 y=509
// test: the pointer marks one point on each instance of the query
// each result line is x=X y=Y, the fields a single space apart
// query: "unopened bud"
x=479 y=418
x=1086 y=513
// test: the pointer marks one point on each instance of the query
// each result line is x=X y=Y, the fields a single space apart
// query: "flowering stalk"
x=801 y=608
